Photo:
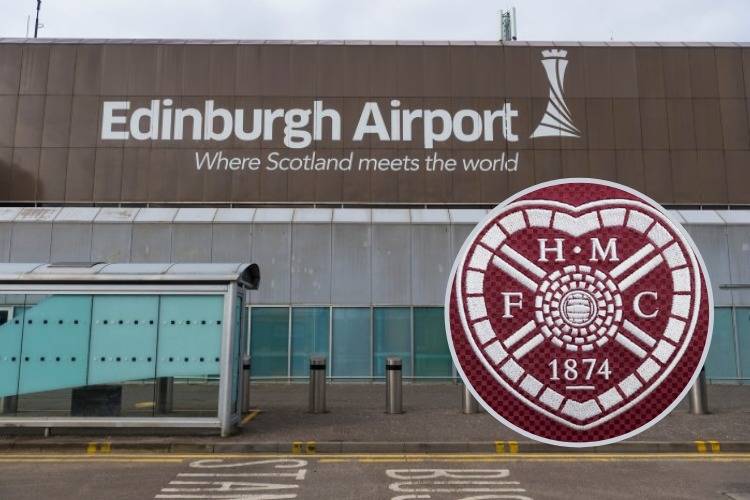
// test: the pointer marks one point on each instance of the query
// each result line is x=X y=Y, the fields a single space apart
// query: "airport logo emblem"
x=578 y=313
x=557 y=120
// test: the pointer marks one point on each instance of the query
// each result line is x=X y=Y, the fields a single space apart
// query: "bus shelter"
x=123 y=345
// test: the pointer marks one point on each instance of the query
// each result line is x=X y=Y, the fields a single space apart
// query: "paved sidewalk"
x=433 y=413
x=356 y=422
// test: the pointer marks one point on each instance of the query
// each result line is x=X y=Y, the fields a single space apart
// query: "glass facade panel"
x=269 y=341
x=432 y=358
x=309 y=336
x=392 y=337
x=351 y=351
x=742 y=317
x=721 y=362
x=361 y=342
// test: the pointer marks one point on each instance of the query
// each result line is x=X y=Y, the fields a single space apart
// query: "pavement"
x=432 y=422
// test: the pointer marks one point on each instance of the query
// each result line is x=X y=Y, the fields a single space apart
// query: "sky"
x=543 y=20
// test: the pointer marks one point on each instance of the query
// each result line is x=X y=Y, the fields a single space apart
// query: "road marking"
x=282 y=480
x=422 y=483
x=500 y=446
x=300 y=447
x=98 y=447
x=249 y=416
x=707 y=447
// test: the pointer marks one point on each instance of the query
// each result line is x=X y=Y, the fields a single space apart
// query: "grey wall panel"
x=31 y=242
x=151 y=243
x=712 y=244
x=391 y=264
x=272 y=252
x=459 y=234
x=5 y=237
x=231 y=243
x=191 y=243
x=71 y=242
x=739 y=263
x=431 y=261
x=352 y=279
x=111 y=243
x=311 y=263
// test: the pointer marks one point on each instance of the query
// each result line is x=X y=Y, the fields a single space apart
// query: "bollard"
x=698 y=398
x=245 y=384
x=469 y=405
x=317 y=386
x=393 y=402
x=8 y=405
x=164 y=394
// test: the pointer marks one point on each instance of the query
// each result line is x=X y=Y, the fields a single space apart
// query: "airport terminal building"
x=352 y=172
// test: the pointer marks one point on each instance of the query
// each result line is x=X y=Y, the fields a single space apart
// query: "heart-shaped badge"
x=578 y=313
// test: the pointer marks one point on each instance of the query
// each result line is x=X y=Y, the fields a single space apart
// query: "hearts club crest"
x=578 y=313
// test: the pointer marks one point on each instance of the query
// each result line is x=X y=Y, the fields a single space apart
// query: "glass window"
x=721 y=362
x=392 y=337
x=431 y=355
x=351 y=342
x=742 y=317
x=309 y=336
x=269 y=341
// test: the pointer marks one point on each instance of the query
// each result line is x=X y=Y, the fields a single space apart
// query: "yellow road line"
x=249 y=416
x=386 y=457
x=92 y=459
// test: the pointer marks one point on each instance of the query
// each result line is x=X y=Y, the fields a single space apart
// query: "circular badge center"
x=578 y=308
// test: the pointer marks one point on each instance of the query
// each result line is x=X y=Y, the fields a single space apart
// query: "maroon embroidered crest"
x=578 y=313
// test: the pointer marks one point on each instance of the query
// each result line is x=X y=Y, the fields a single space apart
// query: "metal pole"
x=8 y=405
x=164 y=394
x=245 y=383
x=469 y=405
x=393 y=395
x=36 y=25
x=698 y=398
x=317 y=388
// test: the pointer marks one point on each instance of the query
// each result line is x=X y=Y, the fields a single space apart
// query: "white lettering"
x=211 y=115
x=507 y=299
x=637 y=305
x=476 y=125
x=599 y=253
x=371 y=111
x=544 y=250
x=109 y=120
x=151 y=114
x=294 y=134
x=320 y=112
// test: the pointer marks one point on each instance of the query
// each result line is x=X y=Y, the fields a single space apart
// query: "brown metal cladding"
x=672 y=120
